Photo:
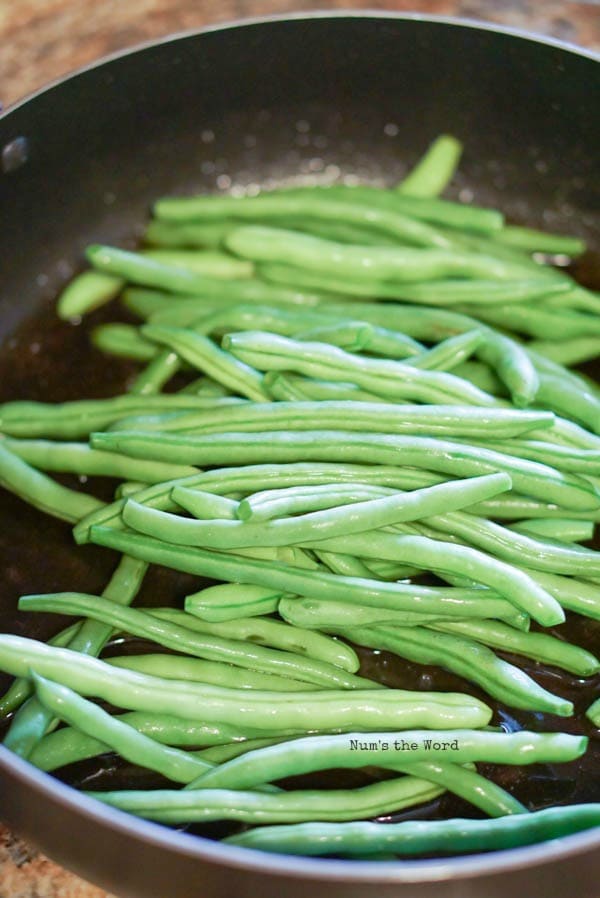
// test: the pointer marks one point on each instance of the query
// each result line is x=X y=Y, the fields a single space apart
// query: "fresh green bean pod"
x=469 y=659
x=568 y=352
x=434 y=171
x=539 y=646
x=312 y=584
x=415 y=837
x=69 y=420
x=537 y=321
x=393 y=708
x=428 y=420
x=123 y=340
x=563 y=529
x=567 y=458
x=250 y=478
x=33 y=720
x=449 y=353
x=202 y=353
x=230 y=601
x=195 y=235
x=355 y=750
x=177 y=667
x=338 y=521
x=213 y=648
x=156 y=374
x=68 y=745
x=449 y=457
x=199 y=805
x=59 y=700
x=593 y=713
x=533 y=241
x=363 y=267
x=79 y=458
x=86 y=292
x=210 y=262
x=271 y=633
x=20 y=478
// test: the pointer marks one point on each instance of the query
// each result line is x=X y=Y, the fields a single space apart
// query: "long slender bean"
x=355 y=750
x=312 y=584
x=414 y=837
x=230 y=601
x=86 y=292
x=123 y=340
x=32 y=721
x=20 y=478
x=450 y=457
x=212 y=648
x=469 y=659
x=79 y=458
x=539 y=241
x=212 y=263
x=187 y=806
x=539 y=646
x=66 y=704
x=336 y=709
x=563 y=529
x=436 y=168
x=272 y=633
x=176 y=667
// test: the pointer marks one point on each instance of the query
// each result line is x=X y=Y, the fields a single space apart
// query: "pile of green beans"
x=343 y=429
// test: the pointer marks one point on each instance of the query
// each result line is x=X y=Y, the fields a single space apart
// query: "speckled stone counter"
x=42 y=40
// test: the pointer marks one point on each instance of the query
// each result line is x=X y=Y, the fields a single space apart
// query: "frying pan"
x=360 y=93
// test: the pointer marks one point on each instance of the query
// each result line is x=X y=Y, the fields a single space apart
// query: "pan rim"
x=251 y=860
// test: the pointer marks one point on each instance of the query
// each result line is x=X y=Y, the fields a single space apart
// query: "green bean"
x=329 y=708
x=540 y=241
x=331 y=522
x=20 y=690
x=434 y=555
x=148 y=272
x=449 y=353
x=570 y=400
x=218 y=754
x=271 y=633
x=68 y=745
x=384 y=377
x=434 y=171
x=358 y=267
x=157 y=373
x=514 y=507
x=290 y=387
x=383 y=417
x=59 y=700
x=355 y=336
x=212 y=263
x=593 y=713
x=512 y=365
x=187 y=806
x=537 y=321
x=539 y=646
x=176 y=667
x=230 y=601
x=86 y=292
x=32 y=720
x=568 y=352
x=556 y=528
x=250 y=478
x=436 y=211
x=269 y=504
x=335 y=616
x=18 y=477
x=436 y=290
x=355 y=750
x=467 y=658
x=415 y=837
x=312 y=584
x=445 y=456
x=174 y=636
x=202 y=353
x=520 y=548
x=197 y=235
x=123 y=340
x=67 y=420
x=79 y=458
x=276 y=207
x=566 y=458
x=347 y=565
x=210 y=506
x=481 y=376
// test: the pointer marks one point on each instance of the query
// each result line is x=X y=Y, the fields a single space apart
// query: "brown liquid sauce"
x=52 y=361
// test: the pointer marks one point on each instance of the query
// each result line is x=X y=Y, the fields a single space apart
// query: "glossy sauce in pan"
x=52 y=361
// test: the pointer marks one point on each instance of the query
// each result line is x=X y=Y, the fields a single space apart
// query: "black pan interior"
x=324 y=99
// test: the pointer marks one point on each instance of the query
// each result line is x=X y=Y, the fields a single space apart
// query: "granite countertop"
x=45 y=39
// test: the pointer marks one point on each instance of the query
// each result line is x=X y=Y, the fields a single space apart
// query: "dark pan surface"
x=326 y=98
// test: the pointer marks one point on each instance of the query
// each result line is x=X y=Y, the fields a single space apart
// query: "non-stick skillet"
x=251 y=104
